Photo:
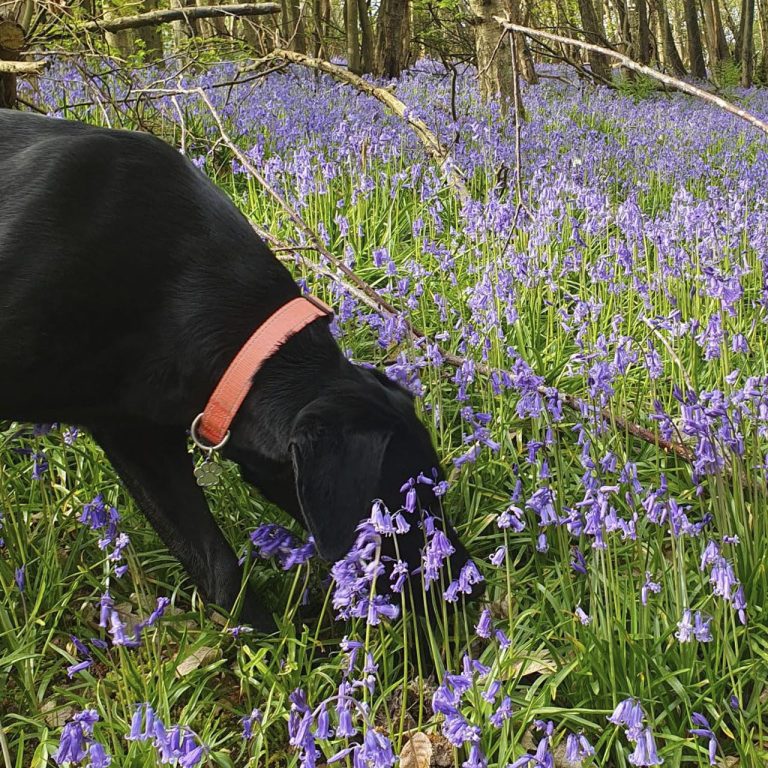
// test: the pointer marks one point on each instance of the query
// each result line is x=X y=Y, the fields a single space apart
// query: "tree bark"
x=494 y=58
x=643 y=33
x=695 y=48
x=149 y=38
x=762 y=6
x=525 y=63
x=594 y=33
x=717 y=46
x=353 y=37
x=298 y=34
x=183 y=29
x=12 y=40
x=746 y=35
x=672 y=57
x=390 y=46
x=366 y=37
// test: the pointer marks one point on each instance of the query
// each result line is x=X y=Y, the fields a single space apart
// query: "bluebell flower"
x=20 y=577
x=645 y=753
x=703 y=730
x=248 y=721
x=630 y=714
x=81 y=666
x=483 y=628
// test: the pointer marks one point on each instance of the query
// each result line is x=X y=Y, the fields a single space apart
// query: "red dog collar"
x=212 y=425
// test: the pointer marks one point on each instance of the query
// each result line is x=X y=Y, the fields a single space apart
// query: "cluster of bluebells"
x=629 y=714
x=77 y=744
x=120 y=633
x=175 y=744
x=701 y=252
x=342 y=716
x=98 y=517
x=722 y=577
x=458 y=695
x=273 y=541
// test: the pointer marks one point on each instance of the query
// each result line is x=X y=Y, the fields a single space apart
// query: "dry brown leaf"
x=534 y=665
x=417 y=752
x=203 y=655
x=56 y=716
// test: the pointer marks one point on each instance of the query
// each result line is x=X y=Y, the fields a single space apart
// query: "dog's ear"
x=338 y=469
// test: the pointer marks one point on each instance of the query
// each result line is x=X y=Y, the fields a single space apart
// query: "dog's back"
x=103 y=236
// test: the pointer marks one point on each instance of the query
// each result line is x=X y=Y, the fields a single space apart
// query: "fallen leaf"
x=200 y=657
x=417 y=753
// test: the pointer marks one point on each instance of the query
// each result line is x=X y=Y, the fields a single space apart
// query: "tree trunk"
x=183 y=30
x=695 y=48
x=717 y=46
x=366 y=36
x=494 y=60
x=594 y=33
x=150 y=39
x=643 y=33
x=321 y=13
x=211 y=28
x=672 y=57
x=11 y=45
x=390 y=57
x=524 y=57
x=353 y=37
x=746 y=35
x=762 y=6
x=298 y=36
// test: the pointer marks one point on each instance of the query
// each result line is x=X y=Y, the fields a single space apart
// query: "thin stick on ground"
x=372 y=299
x=431 y=143
x=672 y=82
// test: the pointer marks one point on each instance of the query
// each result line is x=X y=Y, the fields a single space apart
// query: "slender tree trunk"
x=150 y=39
x=672 y=57
x=643 y=33
x=211 y=28
x=494 y=59
x=524 y=57
x=366 y=29
x=747 y=35
x=321 y=11
x=390 y=45
x=762 y=6
x=695 y=48
x=353 y=37
x=183 y=30
x=298 y=34
x=717 y=46
x=594 y=33
x=12 y=40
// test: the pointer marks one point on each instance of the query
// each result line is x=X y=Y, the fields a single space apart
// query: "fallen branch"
x=22 y=67
x=672 y=82
x=371 y=298
x=179 y=14
x=430 y=141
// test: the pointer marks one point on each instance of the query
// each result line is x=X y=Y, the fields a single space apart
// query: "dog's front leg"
x=157 y=469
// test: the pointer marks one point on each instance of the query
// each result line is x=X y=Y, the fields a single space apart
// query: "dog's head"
x=358 y=442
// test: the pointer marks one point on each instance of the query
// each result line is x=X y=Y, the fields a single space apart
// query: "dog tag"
x=208 y=473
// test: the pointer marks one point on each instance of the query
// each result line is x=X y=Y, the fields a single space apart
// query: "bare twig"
x=359 y=288
x=431 y=143
x=672 y=82
x=179 y=14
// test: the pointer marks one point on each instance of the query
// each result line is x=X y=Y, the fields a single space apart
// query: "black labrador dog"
x=128 y=283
